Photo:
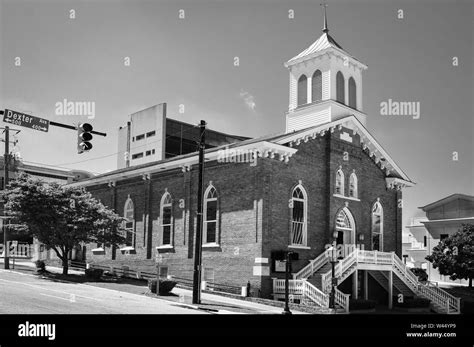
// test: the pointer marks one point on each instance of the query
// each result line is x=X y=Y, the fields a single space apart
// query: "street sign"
x=25 y=120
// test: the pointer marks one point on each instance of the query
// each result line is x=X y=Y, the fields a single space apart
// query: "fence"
x=125 y=271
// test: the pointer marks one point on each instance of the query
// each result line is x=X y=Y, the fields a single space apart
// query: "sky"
x=190 y=62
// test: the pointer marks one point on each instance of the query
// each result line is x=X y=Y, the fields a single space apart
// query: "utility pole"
x=6 y=159
x=198 y=245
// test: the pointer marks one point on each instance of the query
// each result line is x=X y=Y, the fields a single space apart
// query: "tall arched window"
x=210 y=215
x=340 y=87
x=339 y=182
x=302 y=90
x=377 y=227
x=298 y=205
x=352 y=93
x=353 y=185
x=166 y=220
x=129 y=224
x=317 y=87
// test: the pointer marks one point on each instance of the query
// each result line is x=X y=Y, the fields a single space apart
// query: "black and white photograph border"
x=228 y=167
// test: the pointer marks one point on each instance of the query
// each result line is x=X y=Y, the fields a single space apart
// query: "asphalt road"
x=28 y=294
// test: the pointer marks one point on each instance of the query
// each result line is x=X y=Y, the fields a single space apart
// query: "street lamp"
x=286 y=310
x=333 y=255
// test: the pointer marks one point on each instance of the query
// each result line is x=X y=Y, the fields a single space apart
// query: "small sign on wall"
x=280 y=266
x=261 y=270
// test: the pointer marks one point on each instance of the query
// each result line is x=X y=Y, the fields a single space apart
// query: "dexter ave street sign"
x=25 y=120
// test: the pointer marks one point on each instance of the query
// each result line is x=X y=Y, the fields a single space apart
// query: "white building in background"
x=415 y=242
x=444 y=218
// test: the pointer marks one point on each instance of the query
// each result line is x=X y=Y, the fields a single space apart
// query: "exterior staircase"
x=400 y=287
x=313 y=283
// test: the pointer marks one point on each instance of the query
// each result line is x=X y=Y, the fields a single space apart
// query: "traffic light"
x=83 y=137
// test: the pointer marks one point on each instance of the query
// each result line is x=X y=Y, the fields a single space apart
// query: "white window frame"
x=339 y=173
x=129 y=207
x=353 y=181
x=166 y=201
x=205 y=221
x=304 y=242
x=380 y=214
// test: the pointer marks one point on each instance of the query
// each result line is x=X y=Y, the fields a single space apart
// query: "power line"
x=146 y=144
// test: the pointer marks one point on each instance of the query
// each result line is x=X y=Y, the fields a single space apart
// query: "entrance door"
x=345 y=228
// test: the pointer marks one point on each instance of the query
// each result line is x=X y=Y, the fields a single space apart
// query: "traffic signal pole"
x=198 y=245
x=72 y=127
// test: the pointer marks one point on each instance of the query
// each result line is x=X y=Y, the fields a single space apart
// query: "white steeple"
x=325 y=84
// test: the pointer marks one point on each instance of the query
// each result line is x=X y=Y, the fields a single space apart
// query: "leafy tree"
x=454 y=256
x=60 y=217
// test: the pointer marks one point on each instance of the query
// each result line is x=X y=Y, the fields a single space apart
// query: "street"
x=28 y=294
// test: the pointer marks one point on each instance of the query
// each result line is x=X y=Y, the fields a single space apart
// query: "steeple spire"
x=325 y=29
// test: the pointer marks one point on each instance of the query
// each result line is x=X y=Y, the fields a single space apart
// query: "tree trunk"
x=65 y=265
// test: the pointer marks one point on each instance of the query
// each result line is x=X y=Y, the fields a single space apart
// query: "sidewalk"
x=212 y=303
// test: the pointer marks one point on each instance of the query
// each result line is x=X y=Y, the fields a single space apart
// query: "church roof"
x=277 y=146
x=324 y=42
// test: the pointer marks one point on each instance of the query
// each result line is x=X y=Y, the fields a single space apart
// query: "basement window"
x=140 y=137
x=137 y=156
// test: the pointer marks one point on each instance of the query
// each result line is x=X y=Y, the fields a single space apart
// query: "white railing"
x=340 y=271
x=313 y=266
x=301 y=288
x=374 y=257
x=442 y=298
x=438 y=296
x=295 y=287
x=315 y=294
x=342 y=299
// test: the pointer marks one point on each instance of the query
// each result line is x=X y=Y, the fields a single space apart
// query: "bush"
x=412 y=302
x=95 y=274
x=420 y=273
x=361 y=304
x=165 y=286
x=40 y=265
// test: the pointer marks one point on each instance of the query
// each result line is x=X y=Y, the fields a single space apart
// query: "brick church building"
x=324 y=179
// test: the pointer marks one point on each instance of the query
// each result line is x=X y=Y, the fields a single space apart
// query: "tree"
x=454 y=256
x=60 y=217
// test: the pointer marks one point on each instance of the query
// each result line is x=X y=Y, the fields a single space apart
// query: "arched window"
x=340 y=87
x=298 y=205
x=302 y=90
x=340 y=182
x=210 y=215
x=129 y=224
x=166 y=220
x=345 y=227
x=377 y=227
x=353 y=185
x=352 y=93
x=317 y=87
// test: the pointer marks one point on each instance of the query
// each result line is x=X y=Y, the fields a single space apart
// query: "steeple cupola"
x=325 y=84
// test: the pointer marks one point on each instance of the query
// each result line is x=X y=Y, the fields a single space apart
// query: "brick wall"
x=253 y=204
